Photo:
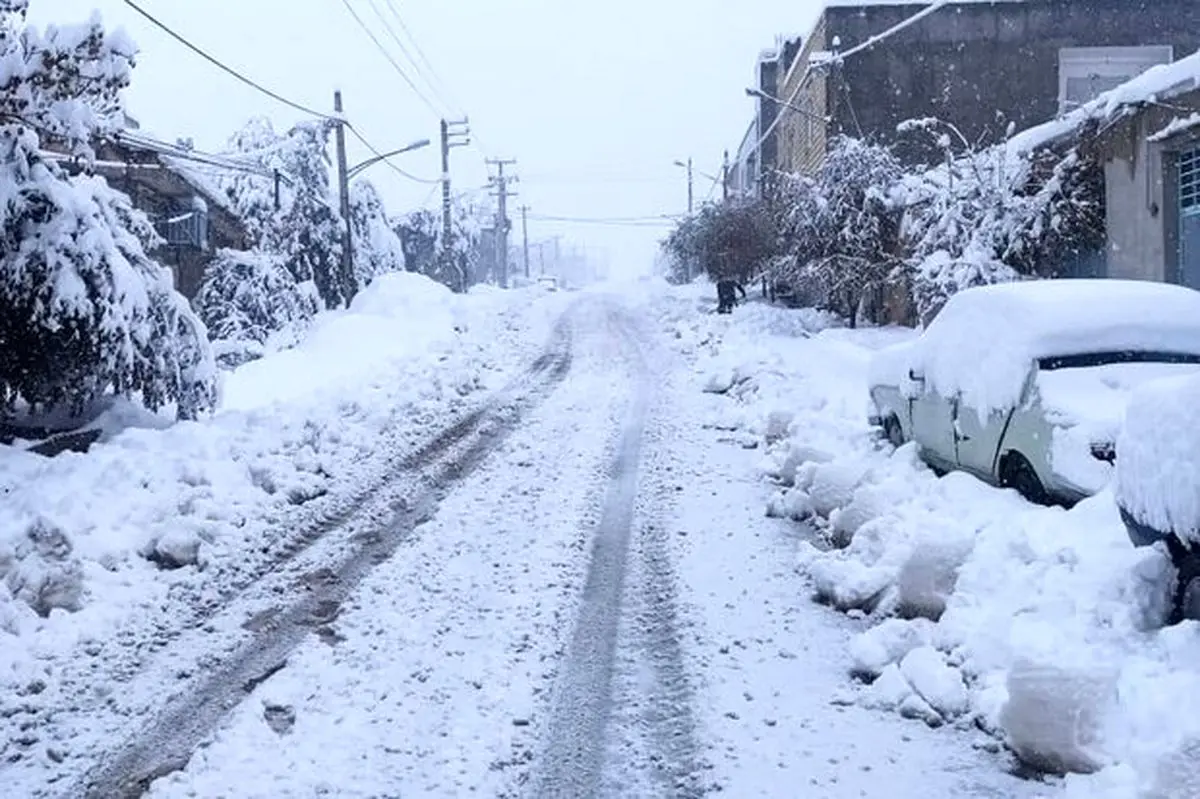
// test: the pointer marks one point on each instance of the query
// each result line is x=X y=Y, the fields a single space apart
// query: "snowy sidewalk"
x=771 y=665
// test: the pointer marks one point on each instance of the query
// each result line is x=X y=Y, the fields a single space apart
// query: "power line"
x=631 y=221
x=230 y=70
x=421 y=53
x=400 y=70
x=868 y=43
x=408 y=55
x=378 y=154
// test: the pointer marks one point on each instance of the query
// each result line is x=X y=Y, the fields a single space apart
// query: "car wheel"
x=1018 y=473
x=893 y=432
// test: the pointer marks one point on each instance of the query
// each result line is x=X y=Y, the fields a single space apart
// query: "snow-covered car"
x=548 y=282
x=1157 y=484
x=1025 y=384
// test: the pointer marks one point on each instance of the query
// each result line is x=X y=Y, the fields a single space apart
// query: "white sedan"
x=1025 y=384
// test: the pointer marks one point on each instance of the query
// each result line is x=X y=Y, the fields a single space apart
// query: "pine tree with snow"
x=307 y=229
x=83 y=310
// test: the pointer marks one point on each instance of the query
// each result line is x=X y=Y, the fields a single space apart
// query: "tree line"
x=871 y=237
x=86 y=312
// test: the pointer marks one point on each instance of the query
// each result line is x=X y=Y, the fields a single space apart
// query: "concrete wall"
x=1141 y=192
x=984 y=65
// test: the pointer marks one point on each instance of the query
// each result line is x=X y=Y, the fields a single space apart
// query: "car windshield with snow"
x=1025 y=384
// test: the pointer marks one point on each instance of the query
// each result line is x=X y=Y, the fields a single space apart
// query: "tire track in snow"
x=167 y=744
x=626 y=624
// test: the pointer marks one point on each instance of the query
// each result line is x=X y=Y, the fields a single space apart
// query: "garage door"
x=1189 y=218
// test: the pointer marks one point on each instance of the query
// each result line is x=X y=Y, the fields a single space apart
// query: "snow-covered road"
x=571 y=592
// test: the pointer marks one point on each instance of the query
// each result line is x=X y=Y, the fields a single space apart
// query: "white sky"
x=594 y=99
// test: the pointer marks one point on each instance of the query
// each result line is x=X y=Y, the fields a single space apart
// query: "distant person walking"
x=727 y=291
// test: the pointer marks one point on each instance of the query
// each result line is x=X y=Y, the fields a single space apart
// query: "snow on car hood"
x=1087 y=406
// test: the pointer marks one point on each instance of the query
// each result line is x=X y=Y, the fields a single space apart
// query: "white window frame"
x=1107 y=62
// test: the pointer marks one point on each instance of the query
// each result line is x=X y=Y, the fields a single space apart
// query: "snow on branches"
x=249 y=300
x=377 y=248
x=306 y=230
x=83 y=310
x=865 y=224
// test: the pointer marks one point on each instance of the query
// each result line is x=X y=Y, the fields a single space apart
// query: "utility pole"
x=690 y=184
x=500 y=181
x=725 y=177
x=525 y=235
x=344 y=197
x=454 y=134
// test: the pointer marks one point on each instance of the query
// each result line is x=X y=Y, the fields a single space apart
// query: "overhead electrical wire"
x=384 y=51
x=408 y=56
x=447 y=95
x=252 y=84
x=868 y=43
x=273 y=95
x=375 y=150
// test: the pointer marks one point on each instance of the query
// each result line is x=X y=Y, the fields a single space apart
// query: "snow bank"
x=1038 y=625
x=89 y=542
x=985 y=339
x=401 y=316
x=1158 y=457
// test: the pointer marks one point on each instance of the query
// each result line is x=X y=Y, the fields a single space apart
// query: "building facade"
x=757 y=155
x=193 y=219
x=1152 y=190
x=987 y=68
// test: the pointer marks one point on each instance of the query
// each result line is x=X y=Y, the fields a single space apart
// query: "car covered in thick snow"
x=1157 y=484
x=1025 y=384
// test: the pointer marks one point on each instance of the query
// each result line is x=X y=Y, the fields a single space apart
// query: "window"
x=1084 y=73
x=186 y=225
x=1189 y=218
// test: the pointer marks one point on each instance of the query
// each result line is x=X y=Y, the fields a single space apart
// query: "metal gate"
x=1189 y=218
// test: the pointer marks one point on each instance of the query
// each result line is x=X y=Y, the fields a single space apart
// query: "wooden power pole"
x=344 y=198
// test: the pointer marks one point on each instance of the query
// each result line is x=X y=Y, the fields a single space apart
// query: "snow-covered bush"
x=377 y=248
x=248 y=297
x=83 y=310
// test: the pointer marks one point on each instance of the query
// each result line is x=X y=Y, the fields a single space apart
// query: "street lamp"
x=370 y=162
x=761 y=95
x=688 y=167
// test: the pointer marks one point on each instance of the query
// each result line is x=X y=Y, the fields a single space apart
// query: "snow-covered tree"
x=455 y=266
x=733 y=240
x=997 y=214
x=83 y=310
x=377 y=247
x=307 y=229
x=418 y=234
x=248 y=298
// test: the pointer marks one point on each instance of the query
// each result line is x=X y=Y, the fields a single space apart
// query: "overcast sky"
x=595 y=99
